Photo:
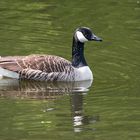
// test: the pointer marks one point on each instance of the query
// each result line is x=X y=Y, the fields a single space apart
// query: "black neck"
x=78 y=59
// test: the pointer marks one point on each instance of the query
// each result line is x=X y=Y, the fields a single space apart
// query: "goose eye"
x=87 y=33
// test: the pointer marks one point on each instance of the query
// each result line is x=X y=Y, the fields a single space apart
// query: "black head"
x=84 y=34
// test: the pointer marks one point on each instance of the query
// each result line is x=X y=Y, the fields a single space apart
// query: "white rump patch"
x=81 y=37
x=8 y=73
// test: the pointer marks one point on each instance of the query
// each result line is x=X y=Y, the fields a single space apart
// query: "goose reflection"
x=40 y=90
x=79 y=118
x=12 y=88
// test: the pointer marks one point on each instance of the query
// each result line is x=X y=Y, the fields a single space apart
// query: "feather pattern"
x=39 y=67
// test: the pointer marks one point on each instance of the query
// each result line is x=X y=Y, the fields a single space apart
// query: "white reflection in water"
x=80 y=119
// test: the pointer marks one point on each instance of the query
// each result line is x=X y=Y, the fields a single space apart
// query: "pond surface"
x=108 y=108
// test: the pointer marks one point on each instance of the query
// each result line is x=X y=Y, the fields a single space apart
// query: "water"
x=110 y=108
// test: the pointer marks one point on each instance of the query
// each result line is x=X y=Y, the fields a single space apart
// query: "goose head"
x=84 y=34
x=81 y=35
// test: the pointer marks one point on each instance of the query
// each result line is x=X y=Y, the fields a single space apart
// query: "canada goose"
x=50 y=67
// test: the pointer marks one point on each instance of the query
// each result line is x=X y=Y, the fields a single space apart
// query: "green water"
x=110 y=110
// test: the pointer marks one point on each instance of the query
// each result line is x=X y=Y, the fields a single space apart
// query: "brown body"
x=37 y=67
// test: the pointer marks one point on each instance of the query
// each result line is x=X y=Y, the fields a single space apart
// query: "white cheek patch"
x=81 y=37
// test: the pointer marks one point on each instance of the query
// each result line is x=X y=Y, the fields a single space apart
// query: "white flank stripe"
x=9 y=74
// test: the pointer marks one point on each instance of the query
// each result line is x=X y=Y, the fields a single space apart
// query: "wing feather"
x=44 y=63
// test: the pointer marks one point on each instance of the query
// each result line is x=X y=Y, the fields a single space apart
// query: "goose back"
x=45 y=63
